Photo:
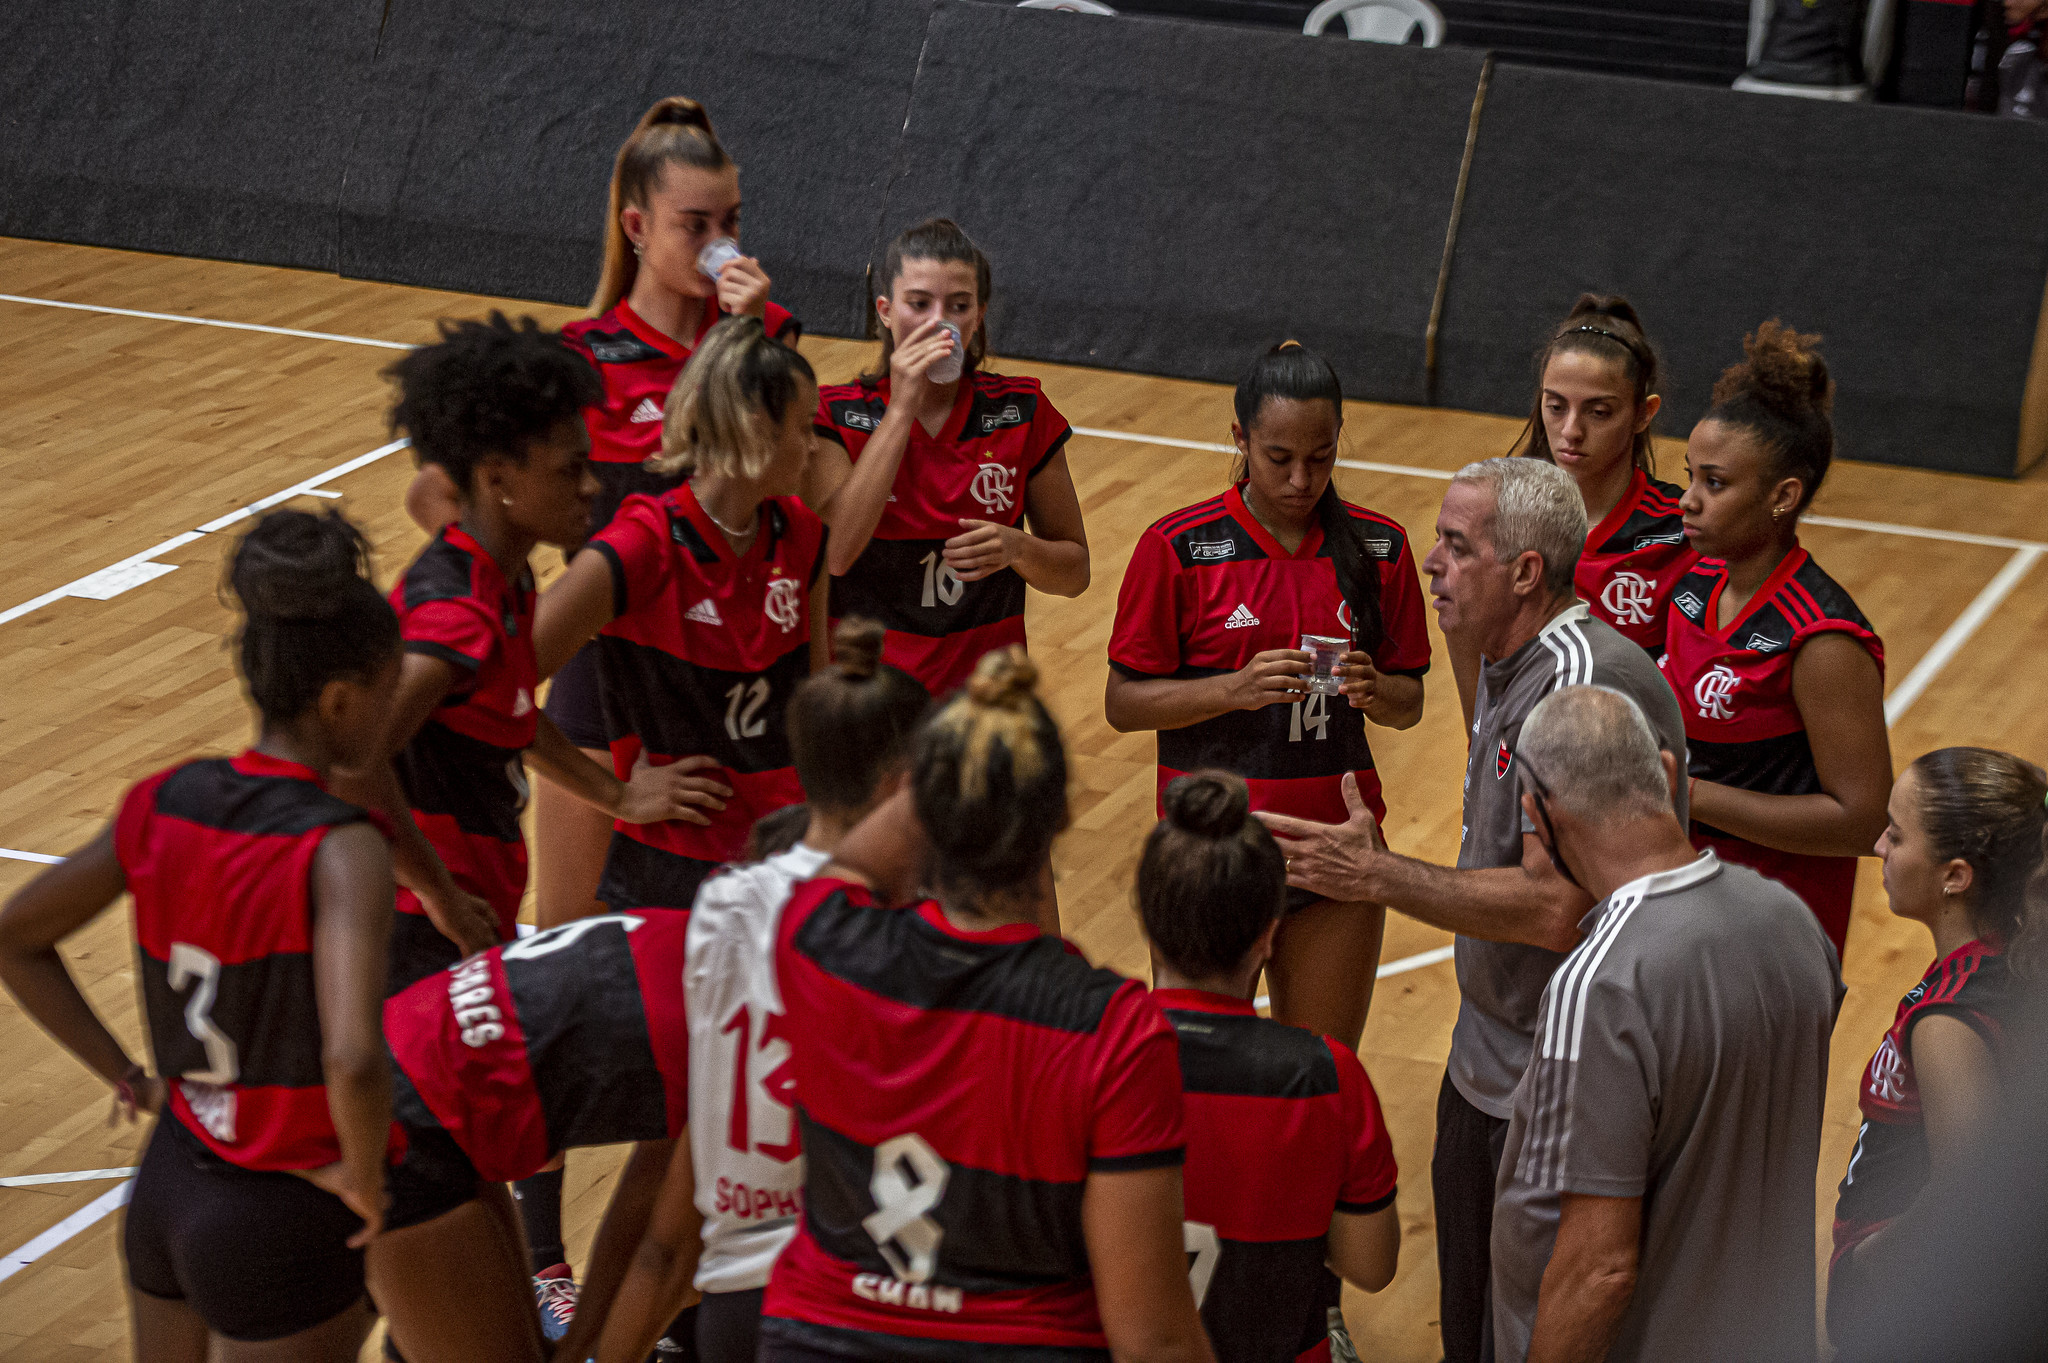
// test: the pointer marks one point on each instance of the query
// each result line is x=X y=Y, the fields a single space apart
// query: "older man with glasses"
x=1508 y=539
x=1656 y=1192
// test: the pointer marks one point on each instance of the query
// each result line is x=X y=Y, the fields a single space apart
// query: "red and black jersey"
x=219 y=859
x=701 y=656
x=1284 y=1130
x=573 y=1036
x=1742 y=725
x=1633 y=560
x=954 y=1090
x=639 y=365
x=1001 y=432
x=1890 y=1165
x=1207 y=589
x=461 y=772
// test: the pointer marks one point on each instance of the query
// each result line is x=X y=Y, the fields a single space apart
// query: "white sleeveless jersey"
x=743 y=1134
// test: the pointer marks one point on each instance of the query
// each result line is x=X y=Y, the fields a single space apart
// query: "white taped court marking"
x=1951 y=642
x=88 y=1215
x=1400 y=967
x=133 y=571
x=74 y=1176
x=1445 y=475
x=206 y=322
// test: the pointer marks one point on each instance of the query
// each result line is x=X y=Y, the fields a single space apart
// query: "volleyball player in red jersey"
x=960 y=494
x=262 y=903
x=991 y=1128
x=708 y=605
x=1596 y=397
x=1206 y=649
x=1289 y=1162
x=498 y=407
x=1962 y=852
x=1778 y=674
x=574 y=1036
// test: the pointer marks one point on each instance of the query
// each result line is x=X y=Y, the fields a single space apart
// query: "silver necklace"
x=743 y=531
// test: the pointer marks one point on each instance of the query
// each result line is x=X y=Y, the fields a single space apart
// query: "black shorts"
x=435 y=1176
x=257 y=1254
x=729 y=1327
x=637 y=876
x=418 y=949
x=576 y=700
x=1298 y=899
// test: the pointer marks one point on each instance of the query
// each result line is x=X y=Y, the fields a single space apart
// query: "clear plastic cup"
x=717 y=256
x=951 y=365
x=1324 y=654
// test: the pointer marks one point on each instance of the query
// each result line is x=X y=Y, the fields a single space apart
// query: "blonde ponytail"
x=675 y=130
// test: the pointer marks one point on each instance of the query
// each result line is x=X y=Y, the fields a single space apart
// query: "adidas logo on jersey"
x=705 y=612
x=648 y=410
x=1241 y=618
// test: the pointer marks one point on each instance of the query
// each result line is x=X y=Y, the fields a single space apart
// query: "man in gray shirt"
x=1508 y=541
x=1656 y=1193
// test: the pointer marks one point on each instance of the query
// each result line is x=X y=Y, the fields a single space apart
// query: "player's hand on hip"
x=673 y=791
x=925 y=346
x=982 y=548
x=743 y=288
x=1334 y=860
x=366 y=1202
x=1278 y=674
x=1359 y=679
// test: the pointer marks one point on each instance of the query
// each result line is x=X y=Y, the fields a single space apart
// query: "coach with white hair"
x=1508 y=540
x=1656 y=1192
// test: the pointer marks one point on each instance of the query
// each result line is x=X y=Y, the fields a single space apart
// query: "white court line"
x=71 y=1225
x=74 y=1176
x=1951 y=642
x=1445 y=475
x=136 y=569
x=206 y=322
x=44 y=857
x=1435 y=956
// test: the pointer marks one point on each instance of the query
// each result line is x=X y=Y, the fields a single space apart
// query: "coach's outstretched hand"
x=1334 y=860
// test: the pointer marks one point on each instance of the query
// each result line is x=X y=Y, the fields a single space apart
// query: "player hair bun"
x=296 y=565
x=1783 y=371
x=1003 y=679
x=1209 y=804
x=857 y=647
x=1611 y=306
x=677 y=110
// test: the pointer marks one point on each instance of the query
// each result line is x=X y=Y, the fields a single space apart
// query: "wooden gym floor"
x=130 y=441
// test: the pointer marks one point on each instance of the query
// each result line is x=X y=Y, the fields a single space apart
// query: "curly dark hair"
x=488 y=390
x=1783 y=395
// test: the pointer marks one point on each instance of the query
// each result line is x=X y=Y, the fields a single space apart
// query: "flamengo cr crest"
x=991 y=487
x=1629 y=598
x=781 y=604
x=1713 y=691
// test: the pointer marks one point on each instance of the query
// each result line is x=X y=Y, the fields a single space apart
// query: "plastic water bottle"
x=948 y=367
x=717 y=256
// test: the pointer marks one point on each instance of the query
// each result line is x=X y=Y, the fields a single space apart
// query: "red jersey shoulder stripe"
x=1190 y=516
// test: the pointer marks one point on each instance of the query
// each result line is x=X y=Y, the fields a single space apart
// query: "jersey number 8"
x=908 y=1182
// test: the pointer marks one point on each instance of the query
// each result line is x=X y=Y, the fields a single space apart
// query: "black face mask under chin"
x=1539 y=793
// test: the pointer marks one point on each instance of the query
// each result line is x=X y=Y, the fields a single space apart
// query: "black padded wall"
x=1915 y=241
x=1168 y=197
x=201 y=127
x=490 y=132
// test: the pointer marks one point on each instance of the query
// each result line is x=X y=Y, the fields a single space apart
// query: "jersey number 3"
x=200 y=968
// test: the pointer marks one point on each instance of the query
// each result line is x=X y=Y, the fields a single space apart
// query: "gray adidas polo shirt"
x=1683 y=1059
x=1499 y=983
